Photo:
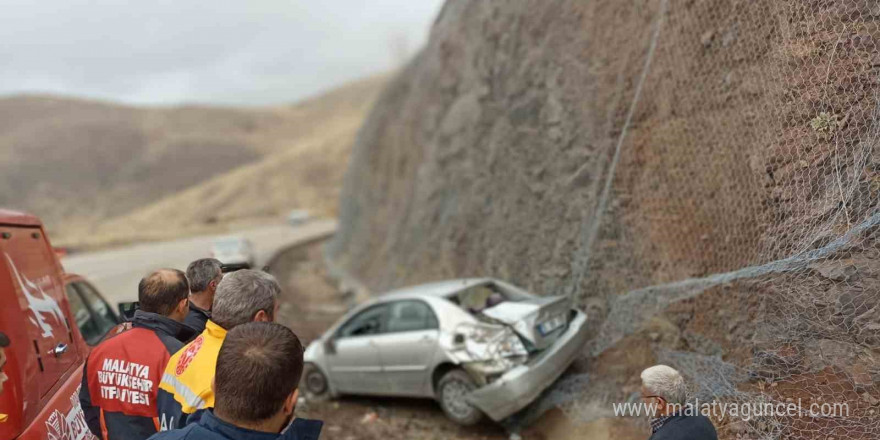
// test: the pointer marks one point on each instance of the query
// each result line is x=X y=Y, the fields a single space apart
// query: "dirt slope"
x=93 y=171
x=308 y=176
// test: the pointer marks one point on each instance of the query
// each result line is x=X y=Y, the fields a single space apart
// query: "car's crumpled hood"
x=526 y=316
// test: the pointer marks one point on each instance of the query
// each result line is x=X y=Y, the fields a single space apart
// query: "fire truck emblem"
x=39 y=303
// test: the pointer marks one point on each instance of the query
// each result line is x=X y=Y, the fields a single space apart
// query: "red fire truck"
x=46 y=354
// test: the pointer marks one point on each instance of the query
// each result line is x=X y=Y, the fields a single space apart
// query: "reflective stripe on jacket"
x=185 y=387
x=121 y=377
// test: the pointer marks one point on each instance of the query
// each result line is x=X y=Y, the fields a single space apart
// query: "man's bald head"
x=161 y=291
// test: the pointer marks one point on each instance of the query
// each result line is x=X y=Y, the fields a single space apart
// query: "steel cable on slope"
x=582 y=254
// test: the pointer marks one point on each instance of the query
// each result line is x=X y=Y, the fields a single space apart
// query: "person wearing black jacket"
x=259 y=367
x=122 y=374
x=665 y=394
x=203 y=275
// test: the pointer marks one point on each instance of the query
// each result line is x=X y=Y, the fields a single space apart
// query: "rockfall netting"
x=740 y=203
x=702 y=176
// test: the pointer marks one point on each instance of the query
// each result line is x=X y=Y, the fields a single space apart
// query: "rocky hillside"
x=702 y=177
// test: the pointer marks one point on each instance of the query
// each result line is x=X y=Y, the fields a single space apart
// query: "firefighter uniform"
x=121 y=377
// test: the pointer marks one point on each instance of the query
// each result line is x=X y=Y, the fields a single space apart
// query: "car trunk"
x=537 y=320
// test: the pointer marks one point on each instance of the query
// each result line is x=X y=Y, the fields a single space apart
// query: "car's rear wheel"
x=315 y=382
x=452 y=389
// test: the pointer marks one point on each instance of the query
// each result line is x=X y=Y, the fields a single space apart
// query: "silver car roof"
x=436 y=294
x=435 y=289
x=433 y=293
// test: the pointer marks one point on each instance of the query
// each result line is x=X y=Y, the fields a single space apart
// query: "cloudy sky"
x=236 y=52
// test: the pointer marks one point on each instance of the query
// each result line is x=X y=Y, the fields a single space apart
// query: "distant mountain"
x=93 y=170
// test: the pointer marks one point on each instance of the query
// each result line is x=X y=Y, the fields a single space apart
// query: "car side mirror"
x=127 y=309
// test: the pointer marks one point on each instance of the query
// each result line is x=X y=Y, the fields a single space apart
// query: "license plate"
x=551 y=325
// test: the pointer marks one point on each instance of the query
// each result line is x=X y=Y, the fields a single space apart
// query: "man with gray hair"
x=204 y=275
x=664 y=392
x=185 y=391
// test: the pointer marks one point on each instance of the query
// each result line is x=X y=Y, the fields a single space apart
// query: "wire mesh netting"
x=741 y=202
x=702 y=176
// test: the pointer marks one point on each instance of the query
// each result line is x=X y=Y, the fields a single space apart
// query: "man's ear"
x=183 y=306
x=290 y=402
x=262 y=316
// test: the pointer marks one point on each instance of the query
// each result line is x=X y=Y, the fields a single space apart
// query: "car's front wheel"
x=452 y=389
x=315 y=382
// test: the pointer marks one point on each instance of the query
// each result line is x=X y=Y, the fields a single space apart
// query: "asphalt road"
x=116 y=272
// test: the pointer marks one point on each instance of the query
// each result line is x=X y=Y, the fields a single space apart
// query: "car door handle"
x=59 y=350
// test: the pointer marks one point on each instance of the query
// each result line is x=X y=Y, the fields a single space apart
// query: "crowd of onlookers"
x=203 y=359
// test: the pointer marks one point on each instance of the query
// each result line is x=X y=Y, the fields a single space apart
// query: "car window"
x=368 y=322
x=409 y=316
x=103 y=315
x=84 y=320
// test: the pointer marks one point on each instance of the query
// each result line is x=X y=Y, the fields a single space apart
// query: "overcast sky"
x=250 y=52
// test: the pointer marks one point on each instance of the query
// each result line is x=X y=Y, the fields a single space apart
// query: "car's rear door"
x=355 y=364
x=408 y=346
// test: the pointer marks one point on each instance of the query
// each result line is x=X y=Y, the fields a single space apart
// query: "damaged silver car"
x=477 y=346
